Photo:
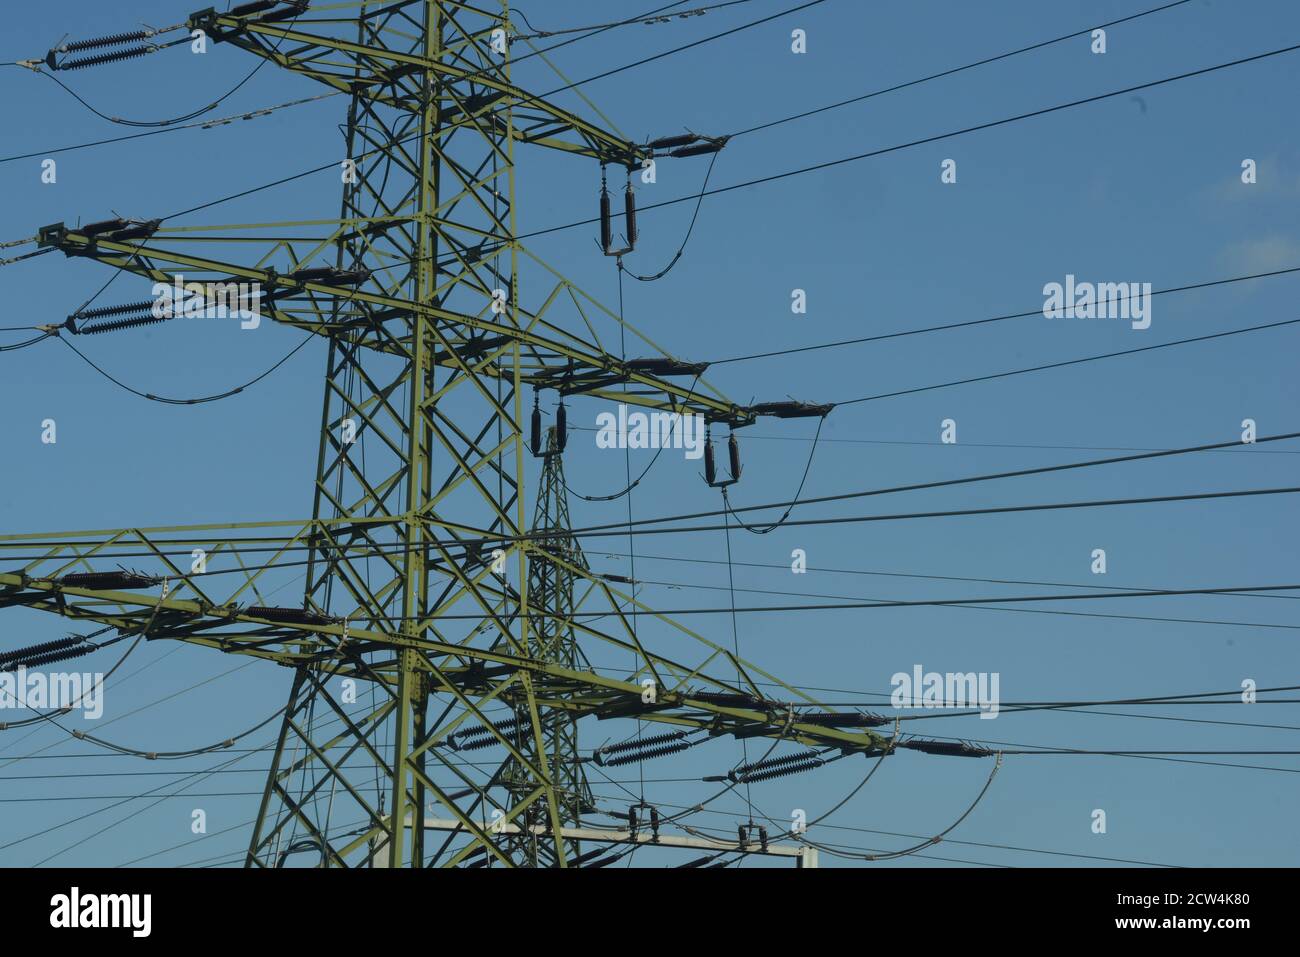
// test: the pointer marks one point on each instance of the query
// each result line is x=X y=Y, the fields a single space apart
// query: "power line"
x=981 y=322
x=920 y=603
x=932 y=139
x=1189 y=621
x=1068 y=362
x=202 y=124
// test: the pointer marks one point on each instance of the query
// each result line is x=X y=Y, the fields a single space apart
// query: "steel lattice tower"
x=425 y=585
x=554 y=640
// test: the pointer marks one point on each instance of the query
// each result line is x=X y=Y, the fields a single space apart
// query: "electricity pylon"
x=553 y=640
x=425 y=586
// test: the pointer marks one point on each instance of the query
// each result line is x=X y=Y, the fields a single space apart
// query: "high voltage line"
x=432 y=682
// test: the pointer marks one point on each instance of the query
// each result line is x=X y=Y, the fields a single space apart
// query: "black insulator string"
x=176 y=119
x=685 y=239
x=726 y=502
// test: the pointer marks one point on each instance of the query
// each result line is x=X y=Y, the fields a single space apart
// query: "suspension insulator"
x=791 y=410
x=247 y=9
x=582 y=858
x=710 y=467
x=606 y=225
x=733 y=455
x=649 y=754
x=561 y=428
x=136 y=231
x=703 y=149
x=44 y=647
x=848 y=720
x=330 y=276
x=753 y=777
x=538 y=448
x=952 y=749
x=290 y=616
x=770 y=763
x=103 y=226
x=479 y=737
x=115 y=324
x=50 y=658
x=637 y=743
x=105 y=311
x=108 y=580
x=726 y=699
x=671 y=142
x=127 y=54
x=116 y=39
x=629 y=212
x=296 y=8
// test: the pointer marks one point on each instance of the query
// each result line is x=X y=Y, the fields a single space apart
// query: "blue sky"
x=1136 y=189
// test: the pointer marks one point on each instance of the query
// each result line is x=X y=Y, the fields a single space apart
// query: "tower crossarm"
x=548 y=356
x=468 y=95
